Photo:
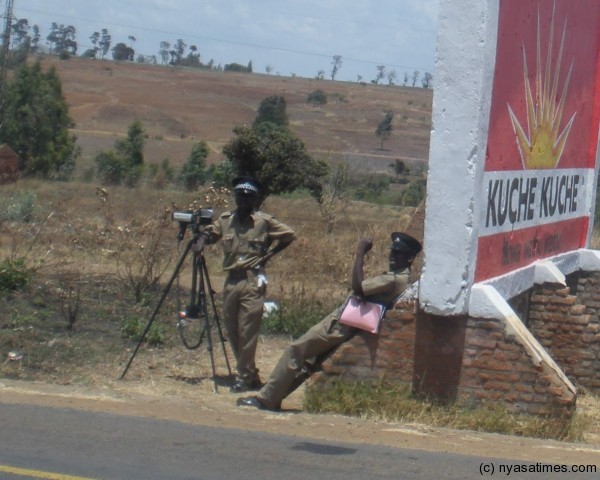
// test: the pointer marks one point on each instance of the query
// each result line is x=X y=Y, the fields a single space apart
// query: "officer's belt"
x=240 y=274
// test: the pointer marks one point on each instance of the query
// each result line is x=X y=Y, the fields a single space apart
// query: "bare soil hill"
x=179 y=107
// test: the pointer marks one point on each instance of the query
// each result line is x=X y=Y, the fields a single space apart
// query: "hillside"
x=181 y=106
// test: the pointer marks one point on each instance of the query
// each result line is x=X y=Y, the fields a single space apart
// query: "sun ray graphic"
x=540 y=141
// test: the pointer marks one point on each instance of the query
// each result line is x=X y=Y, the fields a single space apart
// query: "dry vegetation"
x=181 y=106
x=100 y=258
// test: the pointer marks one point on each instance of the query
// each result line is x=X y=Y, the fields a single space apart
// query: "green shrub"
x=317 y=97
x=294 y=317
x=14 y=274
x=370 y=188
x=19 y=207
x=133 y=328
x=414 y=193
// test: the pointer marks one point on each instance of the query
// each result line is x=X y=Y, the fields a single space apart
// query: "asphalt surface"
x=68 y=433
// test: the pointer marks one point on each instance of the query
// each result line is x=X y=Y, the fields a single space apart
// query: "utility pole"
x=8 y=16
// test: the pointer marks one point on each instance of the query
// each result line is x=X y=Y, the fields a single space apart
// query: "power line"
x=227 y=41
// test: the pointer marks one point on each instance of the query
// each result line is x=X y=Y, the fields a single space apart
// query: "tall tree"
x=125 y=164
x=52 y=36
x=122 y=52
x=104 y=42
x=193 y=172
x=276 y=157
x=415 y=77
x=35 y=39
x=193 y=58
x=384 y=129
x=20 y=32
x=336 y=64
x=165 y=47
x=36 y=123
x=380 y=74
x=62 y=39
x=391 y=77
x=95 y=38
x=132 y=148
x=177 y=52
x=426 y=80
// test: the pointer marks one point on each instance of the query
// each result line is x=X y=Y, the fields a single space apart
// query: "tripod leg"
x=190 y=326
x=207 y=327
x=209 y=347
x=162 y=299
x=215 y=314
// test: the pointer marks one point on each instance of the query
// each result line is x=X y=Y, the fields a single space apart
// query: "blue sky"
x=291 y=37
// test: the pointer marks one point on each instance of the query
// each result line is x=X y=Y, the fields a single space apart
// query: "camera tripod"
x=196 y=321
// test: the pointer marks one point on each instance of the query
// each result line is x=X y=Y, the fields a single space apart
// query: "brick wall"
x=498 y=366
x=566 y=322
x=389 y=355
x=471 y=360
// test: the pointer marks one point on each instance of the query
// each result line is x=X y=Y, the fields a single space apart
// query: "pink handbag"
x=364 y=315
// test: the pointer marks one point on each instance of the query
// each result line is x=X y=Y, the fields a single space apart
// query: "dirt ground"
x=180 y=388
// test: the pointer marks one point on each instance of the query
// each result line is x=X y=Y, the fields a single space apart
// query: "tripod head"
x=195 y=219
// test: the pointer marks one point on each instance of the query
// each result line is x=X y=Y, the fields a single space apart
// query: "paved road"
x=38 y=441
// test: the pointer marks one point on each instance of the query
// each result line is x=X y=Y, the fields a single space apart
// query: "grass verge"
x=395 y=403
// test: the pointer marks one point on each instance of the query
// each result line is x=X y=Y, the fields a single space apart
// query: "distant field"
x=181 y=106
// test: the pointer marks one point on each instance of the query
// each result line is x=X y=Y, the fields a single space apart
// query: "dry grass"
x=179 y=107
x=395 y=403
x=68 y=323
x=102 y=256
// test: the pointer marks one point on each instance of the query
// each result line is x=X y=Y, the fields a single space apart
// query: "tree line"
x=61 y=41
x=382 y=74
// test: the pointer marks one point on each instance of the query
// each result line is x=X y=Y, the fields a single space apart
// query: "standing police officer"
x=246 y=236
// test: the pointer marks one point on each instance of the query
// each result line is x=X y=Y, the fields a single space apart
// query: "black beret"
x=402 y=242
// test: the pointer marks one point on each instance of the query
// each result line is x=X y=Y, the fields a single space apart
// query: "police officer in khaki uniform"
x=304 y=354
x=246 y=236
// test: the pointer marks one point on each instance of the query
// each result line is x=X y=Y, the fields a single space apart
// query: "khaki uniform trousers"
x=322 y=337
x=243 y=304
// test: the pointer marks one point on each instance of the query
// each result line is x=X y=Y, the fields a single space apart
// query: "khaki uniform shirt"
x=245 y=242
x=385 y=288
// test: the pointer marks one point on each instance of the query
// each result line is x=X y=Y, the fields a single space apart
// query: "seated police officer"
x=246 y=236
x=304 y=354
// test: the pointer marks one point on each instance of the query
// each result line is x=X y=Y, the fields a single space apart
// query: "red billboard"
x=539 y=173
